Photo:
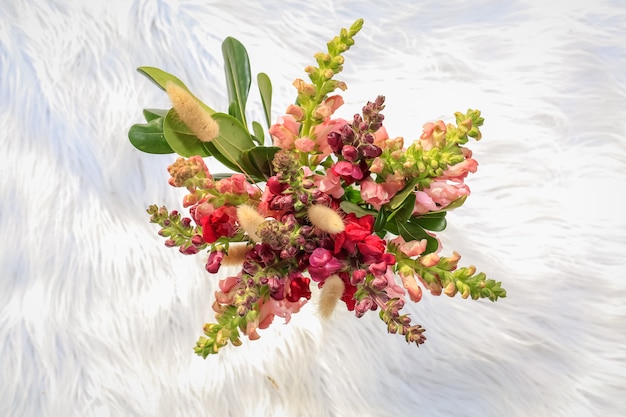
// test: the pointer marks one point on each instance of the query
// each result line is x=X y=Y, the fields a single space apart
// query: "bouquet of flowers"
x=333 y=201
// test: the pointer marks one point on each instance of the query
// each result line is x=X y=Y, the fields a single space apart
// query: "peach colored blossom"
x=444 y=193
x=432 y=134
x=285 y=131
x=410 y=284
x=329 y=184
x=305 y=145
x=378 y=194
x=380 y=136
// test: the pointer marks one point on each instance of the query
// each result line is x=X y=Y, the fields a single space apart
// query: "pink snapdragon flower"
x=459 y=171
x=285 y=132
x=443 y=193
x=378 y=194
x=432 y=134
x=329 y=184
x=424 y=203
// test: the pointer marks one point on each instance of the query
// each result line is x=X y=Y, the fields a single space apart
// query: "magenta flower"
x=323 y=264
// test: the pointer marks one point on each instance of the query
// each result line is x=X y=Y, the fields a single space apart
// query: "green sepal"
x=149 y=137
x=180 y=138
x=238 y=78
x=265 y=89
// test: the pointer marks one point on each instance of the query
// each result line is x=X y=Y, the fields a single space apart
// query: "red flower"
x=298 y=288
x=356 y=230
x=372 y=248
x=220 y=222
x=348 y=292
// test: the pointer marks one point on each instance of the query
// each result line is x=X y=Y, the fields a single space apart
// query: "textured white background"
x=97 y=318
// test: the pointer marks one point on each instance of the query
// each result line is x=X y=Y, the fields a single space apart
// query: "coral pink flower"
x=443 y=193
x=380 y=136
x=378 y=194
x=329 y=184
x=459 y=171
x=285 y=132
x=432 y=134
x=412 y=248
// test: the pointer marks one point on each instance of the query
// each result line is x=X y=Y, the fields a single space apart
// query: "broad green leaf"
x=404 y=212
x=238 y=78
x=260 y=158
x=410 y=231
x=435 y=222
x=149 y=137
x=265 y=88
x=399 y=198
x=180 y=138
x=161 y=78
x=350 y=207
x=231 y=142
x=381 y=220
x=151 y=114
x=259 y=135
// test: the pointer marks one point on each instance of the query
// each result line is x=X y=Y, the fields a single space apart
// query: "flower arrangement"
x=334 y=203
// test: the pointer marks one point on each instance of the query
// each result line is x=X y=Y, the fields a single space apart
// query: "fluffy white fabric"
x=98 y=318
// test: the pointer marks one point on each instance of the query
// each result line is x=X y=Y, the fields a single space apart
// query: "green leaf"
x=231 y=142
x=404 y=212
x=410 y=231
x=435 y=222
x=381 y=220
x=161 y=78
x=259 y=135
x=399 y=198
x=350 y=207
x=151 y=114
x=238 y=78
x=180 y=138
x=260 y=159
x=149 y=137
x=265 y=88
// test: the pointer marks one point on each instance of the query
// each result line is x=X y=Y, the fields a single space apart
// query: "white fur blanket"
x=98 y=318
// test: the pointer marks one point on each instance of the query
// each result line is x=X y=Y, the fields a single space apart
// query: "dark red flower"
x=220 y=222
x=298 y=288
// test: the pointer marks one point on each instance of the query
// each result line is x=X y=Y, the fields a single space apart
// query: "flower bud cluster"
x=355 y=142
x=179 y=231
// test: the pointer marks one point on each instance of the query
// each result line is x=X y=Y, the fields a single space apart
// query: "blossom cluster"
x=335 y=203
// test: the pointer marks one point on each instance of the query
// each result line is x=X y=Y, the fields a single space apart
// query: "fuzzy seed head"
x=329 y=295
x=249 y=220
x=191 y=113
x=236 y=254
x=325 y=219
